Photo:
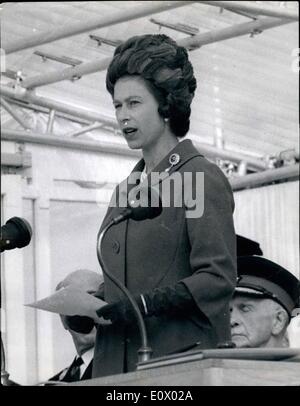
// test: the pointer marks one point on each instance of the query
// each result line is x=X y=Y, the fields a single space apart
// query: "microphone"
x=16 y=233
x=138 y=213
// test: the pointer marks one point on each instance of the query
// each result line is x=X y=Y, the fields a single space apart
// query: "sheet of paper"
x=70 y=301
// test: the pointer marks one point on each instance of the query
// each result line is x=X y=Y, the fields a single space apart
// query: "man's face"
x=251 y=321
x=82 y=342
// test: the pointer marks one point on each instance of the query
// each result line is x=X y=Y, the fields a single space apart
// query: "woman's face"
x=137 y=106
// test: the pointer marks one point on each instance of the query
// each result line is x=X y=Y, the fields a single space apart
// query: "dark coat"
x=60 y=377
x=200 y=252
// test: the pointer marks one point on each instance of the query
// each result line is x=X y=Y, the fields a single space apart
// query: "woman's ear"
x=163 y=111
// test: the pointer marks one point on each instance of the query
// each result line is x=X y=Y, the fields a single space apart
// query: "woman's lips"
x=129 y=129
x=128 y=132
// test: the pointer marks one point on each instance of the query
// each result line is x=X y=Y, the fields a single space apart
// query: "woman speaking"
x=181 y=265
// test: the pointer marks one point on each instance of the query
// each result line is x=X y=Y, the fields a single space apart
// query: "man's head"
x=257 y=322
x=262 y=304
x=90 y=282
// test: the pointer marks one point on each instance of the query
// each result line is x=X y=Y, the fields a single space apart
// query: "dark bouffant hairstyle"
x=167 y=71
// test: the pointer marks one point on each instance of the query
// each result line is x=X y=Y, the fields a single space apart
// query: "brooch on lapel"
x=174 y=159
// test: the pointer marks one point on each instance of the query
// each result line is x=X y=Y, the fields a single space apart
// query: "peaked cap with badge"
x=261 y=277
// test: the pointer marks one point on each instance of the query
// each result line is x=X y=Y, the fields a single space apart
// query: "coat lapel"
x=184 y=151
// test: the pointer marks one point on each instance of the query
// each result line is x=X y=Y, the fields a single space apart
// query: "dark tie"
x=73 y=373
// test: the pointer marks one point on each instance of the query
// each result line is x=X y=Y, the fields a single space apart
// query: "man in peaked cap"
x=264 y=299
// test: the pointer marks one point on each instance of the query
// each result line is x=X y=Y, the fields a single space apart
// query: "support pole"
x=190 y=43
x=50 y=121
x=255 y=8
x=268 y=176
x=116 y=17
x=14 y=114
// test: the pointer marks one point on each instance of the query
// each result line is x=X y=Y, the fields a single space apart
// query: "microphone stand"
x=144 y=353
x=4 y=373
x=5 y=381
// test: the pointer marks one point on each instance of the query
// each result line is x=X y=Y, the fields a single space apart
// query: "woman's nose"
x=123 y=115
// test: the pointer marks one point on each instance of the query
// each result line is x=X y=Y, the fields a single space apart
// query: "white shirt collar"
x=88 y=356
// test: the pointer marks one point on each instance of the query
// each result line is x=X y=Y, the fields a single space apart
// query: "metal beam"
x=177 y=26
x=62 y=59
x=213 y=152
x=69 y=73
x=207 y=150
x=45 y=110
x=102 y=40
x=52 y=104
x=116 y=17
x=84 y=129
x=234 y=31
x=15 y=114
x=268 y=176
x=64 y=142
x=70 y=143
x=255 y=8
x=191 y=43
x=51 y=121
x=241 y=13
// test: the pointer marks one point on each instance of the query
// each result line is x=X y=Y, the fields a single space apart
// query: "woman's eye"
x=117 y=106
x=133 y=102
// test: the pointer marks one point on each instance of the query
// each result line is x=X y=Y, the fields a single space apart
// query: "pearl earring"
x=166 y=119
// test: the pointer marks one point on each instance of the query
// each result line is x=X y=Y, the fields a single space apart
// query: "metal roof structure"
x=244 y=56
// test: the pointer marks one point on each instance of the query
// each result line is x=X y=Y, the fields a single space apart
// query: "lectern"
x=229 y=367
